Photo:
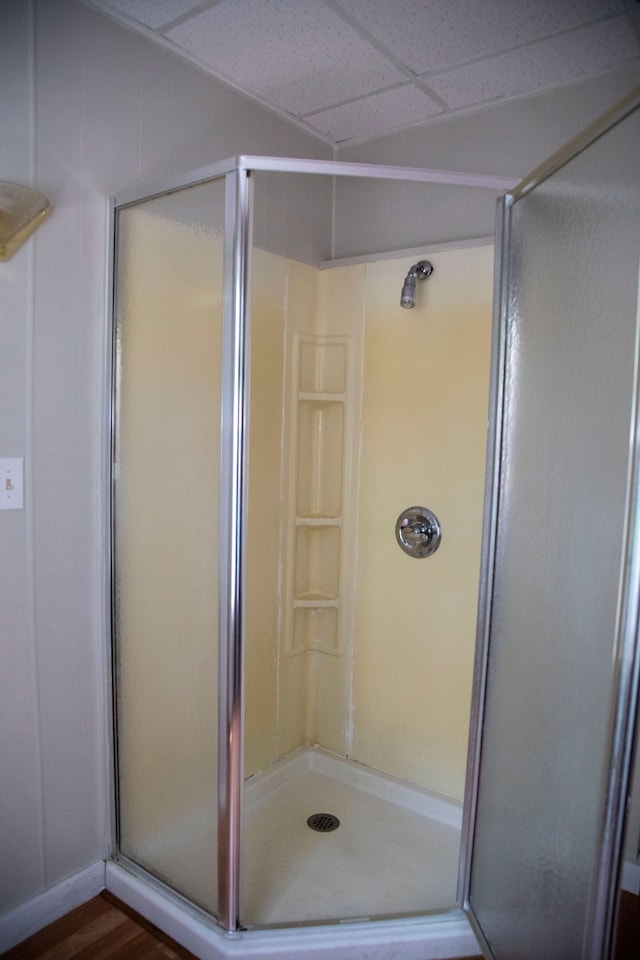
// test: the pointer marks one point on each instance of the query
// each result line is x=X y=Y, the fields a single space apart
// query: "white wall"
x=20 y=735
x=88 y=110
x=507 y=139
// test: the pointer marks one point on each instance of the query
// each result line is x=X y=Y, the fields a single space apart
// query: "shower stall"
x=293 y=689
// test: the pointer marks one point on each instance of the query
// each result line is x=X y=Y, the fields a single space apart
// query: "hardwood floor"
x=102 y=929
x=106 y=929
x=627 y=945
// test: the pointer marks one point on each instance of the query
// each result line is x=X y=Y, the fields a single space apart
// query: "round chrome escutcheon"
x=418 y=532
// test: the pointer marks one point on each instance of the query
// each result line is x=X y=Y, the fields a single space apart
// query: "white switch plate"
x=11 y=483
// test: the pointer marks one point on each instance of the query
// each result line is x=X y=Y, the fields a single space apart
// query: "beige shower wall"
x=269 y=283
x=424 y=416
x=283 y=301
x=397 y=695
x=291 y=700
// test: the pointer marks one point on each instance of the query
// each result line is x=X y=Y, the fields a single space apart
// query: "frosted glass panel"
x=169 y=315
x=571 y=327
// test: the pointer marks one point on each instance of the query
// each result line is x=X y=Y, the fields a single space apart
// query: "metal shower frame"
x=236 y=172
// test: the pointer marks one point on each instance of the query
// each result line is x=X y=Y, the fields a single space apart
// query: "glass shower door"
x=168 y=341
x=555 y=686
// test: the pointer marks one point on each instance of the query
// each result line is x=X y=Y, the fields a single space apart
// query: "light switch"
x=11 y=483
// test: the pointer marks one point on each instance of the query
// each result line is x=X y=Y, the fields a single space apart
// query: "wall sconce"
x=21 y=211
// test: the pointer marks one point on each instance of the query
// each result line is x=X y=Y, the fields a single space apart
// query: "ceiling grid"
x=356 y=69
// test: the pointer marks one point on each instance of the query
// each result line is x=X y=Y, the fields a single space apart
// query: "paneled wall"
x=88 y=110
x=22 y=843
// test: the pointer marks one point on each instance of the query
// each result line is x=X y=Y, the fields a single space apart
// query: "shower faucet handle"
x=418 y=532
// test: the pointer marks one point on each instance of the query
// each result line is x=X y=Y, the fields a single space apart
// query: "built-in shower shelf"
x=320 y=400
x=315 y=627
x=320 y=385
x=315 y=600
x=318 y=520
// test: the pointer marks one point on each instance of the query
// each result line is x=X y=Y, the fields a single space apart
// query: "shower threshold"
x=394 y=854
x=433 y=937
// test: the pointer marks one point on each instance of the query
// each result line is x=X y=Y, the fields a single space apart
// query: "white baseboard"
x=29 y=917
x=422 y=939
x=631 y=876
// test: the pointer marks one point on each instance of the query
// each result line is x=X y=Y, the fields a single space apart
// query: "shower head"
x=419 y=271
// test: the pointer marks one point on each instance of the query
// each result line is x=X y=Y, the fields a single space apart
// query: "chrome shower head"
x=419 y=271
x=408 y=295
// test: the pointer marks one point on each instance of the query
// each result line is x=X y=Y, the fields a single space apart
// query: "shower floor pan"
x=394 y=854
x=395 y=851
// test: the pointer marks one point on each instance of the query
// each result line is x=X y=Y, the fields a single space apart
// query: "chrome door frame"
x=233 y=499
x=599 y=929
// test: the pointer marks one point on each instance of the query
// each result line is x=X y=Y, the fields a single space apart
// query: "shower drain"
x=323 y=822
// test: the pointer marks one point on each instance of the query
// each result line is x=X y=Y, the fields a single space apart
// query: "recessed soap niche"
x=315 y=628
x=320 y=446
x=316 y=544
x=317 y=564
x=322 y=367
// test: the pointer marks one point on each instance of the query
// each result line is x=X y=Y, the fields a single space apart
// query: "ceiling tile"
x=151 y=13
x=299 y=54
x=376 y=114
x=558 y=60
x=325 y=60
x=431 y=35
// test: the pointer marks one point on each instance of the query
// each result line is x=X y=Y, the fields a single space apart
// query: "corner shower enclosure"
x=278 y=658
x=237 y=512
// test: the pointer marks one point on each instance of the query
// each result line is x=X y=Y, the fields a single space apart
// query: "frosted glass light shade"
x=21 y=211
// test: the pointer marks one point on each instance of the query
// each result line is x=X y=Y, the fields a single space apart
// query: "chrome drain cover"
x=323 y=822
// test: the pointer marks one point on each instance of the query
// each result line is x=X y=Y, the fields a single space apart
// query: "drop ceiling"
x=355 y=69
